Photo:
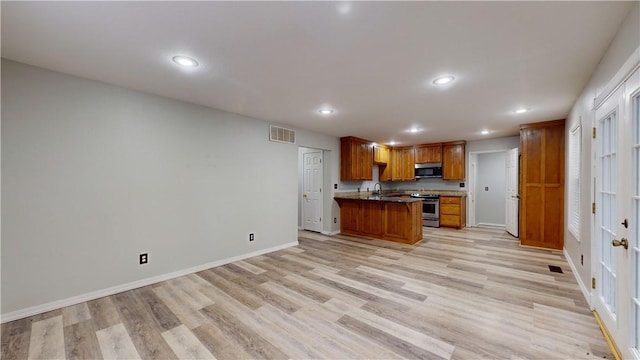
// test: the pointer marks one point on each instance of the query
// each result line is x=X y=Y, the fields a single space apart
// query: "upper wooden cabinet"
x=453 y=154
x=428 y=153
x=381 y=154
x=402 y=164
x=356 y=159
x=542 y=184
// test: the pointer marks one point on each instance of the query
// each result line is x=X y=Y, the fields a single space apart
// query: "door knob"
x=622 y=242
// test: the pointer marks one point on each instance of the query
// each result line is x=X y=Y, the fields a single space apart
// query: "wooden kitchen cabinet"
x=349 y=217
x=428 y=153
x=356 y=159
x=402 y=165
x=453 y=164
x=542 y=184
x=381 y=219
x=371 y=216
x=403 y=222
x=362 y=217
x=381 y=154
x=385 y=172
x=453 y=211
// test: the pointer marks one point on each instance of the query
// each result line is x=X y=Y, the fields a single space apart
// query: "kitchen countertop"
x=441 y=192
x=386 y=193
x=370 y=197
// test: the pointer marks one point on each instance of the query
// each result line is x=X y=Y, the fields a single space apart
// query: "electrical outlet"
x=367 y=189
x=251 y=237
x=486 y=188
x=581 y=259
x=144 y=258
x=335 y=220
x=461 y=185
x=335 y=186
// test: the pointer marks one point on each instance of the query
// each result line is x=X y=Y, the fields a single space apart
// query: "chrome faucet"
x=379 y=191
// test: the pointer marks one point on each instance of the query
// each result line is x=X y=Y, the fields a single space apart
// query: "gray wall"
x=94 y=174
x=626 y=41
x=503 y=143
x=490 y=205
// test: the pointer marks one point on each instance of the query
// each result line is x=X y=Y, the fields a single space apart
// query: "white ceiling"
x=373 y=62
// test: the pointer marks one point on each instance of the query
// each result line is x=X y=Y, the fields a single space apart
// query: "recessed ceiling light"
x=443 y=80
x=521 y=111
x=484 y=132
x=344 y=8
x=392 y=142
x=414 y=130
x=326 y=111
x=185 y=61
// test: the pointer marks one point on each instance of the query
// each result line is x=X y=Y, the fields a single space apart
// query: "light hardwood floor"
x=461 y=294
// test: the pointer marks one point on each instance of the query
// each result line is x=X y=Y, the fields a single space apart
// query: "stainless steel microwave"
x=428 y=171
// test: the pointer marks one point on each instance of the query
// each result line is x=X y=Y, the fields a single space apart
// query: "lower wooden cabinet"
x=371 y=216
x=349 y=214
x=387 y=220
x=401 y=224
x=453 y=211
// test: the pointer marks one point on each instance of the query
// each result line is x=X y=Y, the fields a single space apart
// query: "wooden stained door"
x=542 y=188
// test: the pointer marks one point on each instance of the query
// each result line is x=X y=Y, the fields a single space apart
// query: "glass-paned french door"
x=635 y=222
x=617 y=220
x=607 y=148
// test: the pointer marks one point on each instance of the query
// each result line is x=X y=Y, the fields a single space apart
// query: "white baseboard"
x=330 y=233
x=39 y=309
x=585 y=291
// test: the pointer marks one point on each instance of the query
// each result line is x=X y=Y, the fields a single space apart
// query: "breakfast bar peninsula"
x=393 y=218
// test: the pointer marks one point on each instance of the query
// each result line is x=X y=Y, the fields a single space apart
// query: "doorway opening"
x=488 y=180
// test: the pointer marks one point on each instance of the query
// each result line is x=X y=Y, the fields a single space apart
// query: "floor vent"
x=280 y=134
x=556 y=269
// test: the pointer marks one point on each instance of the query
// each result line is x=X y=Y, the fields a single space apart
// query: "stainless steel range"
x=430 y=209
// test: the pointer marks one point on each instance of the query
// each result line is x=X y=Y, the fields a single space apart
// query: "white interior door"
x=512 y=199
x=606 y=273
x=631 y=261
x=616 y=190
x=312 y=191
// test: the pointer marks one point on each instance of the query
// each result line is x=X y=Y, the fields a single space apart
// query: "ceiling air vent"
x=279 y=134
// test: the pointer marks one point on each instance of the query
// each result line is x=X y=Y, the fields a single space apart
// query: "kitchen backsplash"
x=421 y=184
